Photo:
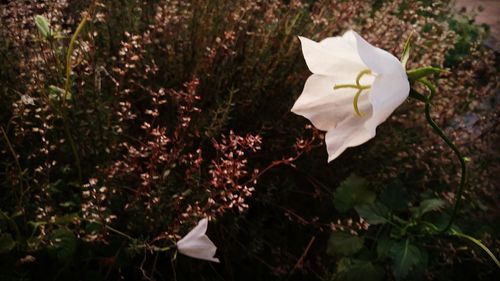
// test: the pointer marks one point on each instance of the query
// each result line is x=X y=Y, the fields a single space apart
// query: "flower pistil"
x=357 y=86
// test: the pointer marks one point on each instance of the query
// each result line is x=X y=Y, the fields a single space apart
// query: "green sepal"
x=406 y=50
x=419 y=73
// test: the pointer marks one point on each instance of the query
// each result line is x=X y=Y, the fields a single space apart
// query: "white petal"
x=200 y=248
x=326 y=107
x=351 y=132
x=331 y=56
x=378 y=60
x=197 y=245
x=387 y=93
x=199 y=230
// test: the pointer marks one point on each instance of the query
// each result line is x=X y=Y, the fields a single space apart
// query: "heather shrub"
x=172 y=111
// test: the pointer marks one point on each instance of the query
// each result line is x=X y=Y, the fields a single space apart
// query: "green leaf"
x=428 y=205
x=419 y=73
x=405 y=257
x=358 y=270
x=6 y=243
x=43 y=26
x=56 y=93
x=384 y=246
x=63 y=244
x=395 y=197
x=351 y=192
x=375 y=213
x=344 y=244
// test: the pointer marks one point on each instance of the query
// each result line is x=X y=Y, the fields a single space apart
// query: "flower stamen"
x=357 y=86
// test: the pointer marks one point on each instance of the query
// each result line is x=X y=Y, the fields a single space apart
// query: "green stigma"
x=358 y=87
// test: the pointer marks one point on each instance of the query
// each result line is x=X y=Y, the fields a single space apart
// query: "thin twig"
x=18 y=166
x=300 y=261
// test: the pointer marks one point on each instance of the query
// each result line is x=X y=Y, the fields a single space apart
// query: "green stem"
x=439 y=131
x=477 y=242
x=120 y=233
x=18 y=166
x=68 y=56
x=65 y=96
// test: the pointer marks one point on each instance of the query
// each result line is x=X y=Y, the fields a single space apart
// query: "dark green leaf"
x=405 y=257
x=358 y=270
x=351 y=192
x=384 y=246
x=428 y=205
x=344 y=244
x=375 y=213
x=43 y=26
x=63 y=244
x=395 y=197
x=418 y=73
x=6 y=243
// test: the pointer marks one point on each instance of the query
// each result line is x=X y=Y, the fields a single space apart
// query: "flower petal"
x=387 y=93
x=350 y=132
x=200 y=248
x=326 y=107
x=199 y=230
x=331 y=56
x=378 y=60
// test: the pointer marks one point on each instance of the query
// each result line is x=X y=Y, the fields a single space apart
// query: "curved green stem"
x=439 y=131
x=478 y=243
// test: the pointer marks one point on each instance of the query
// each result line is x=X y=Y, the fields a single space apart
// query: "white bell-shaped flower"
x=354 y=87
x=197 y=245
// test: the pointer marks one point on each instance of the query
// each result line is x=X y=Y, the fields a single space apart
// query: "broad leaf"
x=6 y=243
x=63 y=244
x=351 y=192
x=428 y=205
x=344 y=244
x=384 y=246
x=405 y=257
x=375 y=213
x=395 y=197
x=358 y=270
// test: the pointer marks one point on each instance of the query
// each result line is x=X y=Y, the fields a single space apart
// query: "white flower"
x=197 y=245
x=354 y=87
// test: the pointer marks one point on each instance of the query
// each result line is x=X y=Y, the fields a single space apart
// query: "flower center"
x=360 y=88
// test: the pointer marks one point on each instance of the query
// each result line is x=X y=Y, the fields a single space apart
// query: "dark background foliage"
x=181 y=109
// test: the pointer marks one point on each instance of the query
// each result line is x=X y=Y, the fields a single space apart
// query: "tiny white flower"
x=27 y=100
x=354 y=87
x=197 y=245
